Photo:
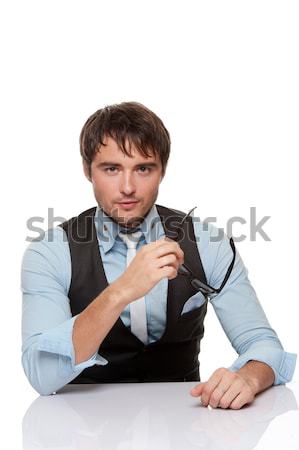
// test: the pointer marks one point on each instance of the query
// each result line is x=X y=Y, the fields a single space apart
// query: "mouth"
x=128 y=205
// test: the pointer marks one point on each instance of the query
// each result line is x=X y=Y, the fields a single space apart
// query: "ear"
x=86 y=170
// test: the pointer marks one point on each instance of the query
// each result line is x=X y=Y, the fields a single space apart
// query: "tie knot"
x=131 y=239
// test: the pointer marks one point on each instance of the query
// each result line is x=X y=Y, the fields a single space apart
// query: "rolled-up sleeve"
x=282 y=363
x=240 y=312
x=48 y=355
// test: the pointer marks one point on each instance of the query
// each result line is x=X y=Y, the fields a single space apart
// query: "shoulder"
x=50 y=242
x=48 y=255
x=209 y=238
x=214 y=248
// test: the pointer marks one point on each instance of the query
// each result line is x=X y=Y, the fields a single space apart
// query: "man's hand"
x=154 y=261
x=226 y=389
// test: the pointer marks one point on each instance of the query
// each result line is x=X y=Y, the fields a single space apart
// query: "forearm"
x=259 y=375
x=94 y=323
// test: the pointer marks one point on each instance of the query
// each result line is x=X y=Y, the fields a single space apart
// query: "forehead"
x=111 y=152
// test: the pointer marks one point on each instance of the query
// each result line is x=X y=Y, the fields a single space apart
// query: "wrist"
x=258 y=375
x=118 y=293
x=250 y=377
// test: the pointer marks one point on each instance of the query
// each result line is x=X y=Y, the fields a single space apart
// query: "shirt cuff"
x=282 y=363
x=59 y=340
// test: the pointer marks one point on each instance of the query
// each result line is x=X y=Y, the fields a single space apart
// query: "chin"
x=127 y=220
x=130 y=221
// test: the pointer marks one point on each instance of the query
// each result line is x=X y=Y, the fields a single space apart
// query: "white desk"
x=158 y=416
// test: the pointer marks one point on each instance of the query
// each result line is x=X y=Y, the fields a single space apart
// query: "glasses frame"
x=204 y=288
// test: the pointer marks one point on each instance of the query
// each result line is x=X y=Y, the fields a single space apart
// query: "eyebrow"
x=111 y=163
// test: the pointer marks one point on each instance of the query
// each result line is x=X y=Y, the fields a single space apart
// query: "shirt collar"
x=107 y=229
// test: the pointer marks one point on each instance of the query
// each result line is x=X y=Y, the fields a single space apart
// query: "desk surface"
x=159 y=416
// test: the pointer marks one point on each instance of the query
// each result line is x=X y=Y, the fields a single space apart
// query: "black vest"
x=173 y=357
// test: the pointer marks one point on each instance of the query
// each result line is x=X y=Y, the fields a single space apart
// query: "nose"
x=127 y=184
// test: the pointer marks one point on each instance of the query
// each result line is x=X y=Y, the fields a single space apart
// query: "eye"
x=113 y=169
x=147 y=169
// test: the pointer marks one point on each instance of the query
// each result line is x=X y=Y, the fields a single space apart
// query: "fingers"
x=197 y=390
x=163 y=248
x=210 y=388
x=224 y=389
x=242 y=399
x=169 y=272
x=224 y=393
x=168 y=260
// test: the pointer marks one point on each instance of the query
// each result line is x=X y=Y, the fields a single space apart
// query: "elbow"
x=41 y=390
x=33 y=378
x=41 y=377
x=45 y=392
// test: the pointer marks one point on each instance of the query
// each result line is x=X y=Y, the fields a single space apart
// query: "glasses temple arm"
x=229 y=270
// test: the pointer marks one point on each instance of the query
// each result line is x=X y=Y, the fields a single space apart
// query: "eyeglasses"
x=204 y=288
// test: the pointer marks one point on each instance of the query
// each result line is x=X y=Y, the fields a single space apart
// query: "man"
x=103 y=296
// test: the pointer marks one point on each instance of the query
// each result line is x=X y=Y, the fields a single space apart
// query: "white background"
x=222 y=75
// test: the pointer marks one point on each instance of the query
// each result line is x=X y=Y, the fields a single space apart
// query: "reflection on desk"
x=158 y=416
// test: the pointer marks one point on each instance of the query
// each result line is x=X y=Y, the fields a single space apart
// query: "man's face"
x=118 y=179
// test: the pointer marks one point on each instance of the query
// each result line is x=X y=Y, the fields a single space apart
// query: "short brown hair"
x=127 y=123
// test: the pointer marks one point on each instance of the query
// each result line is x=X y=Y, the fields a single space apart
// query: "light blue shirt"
x=48 y=356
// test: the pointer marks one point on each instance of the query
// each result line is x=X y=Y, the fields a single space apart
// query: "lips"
x=128 y=204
